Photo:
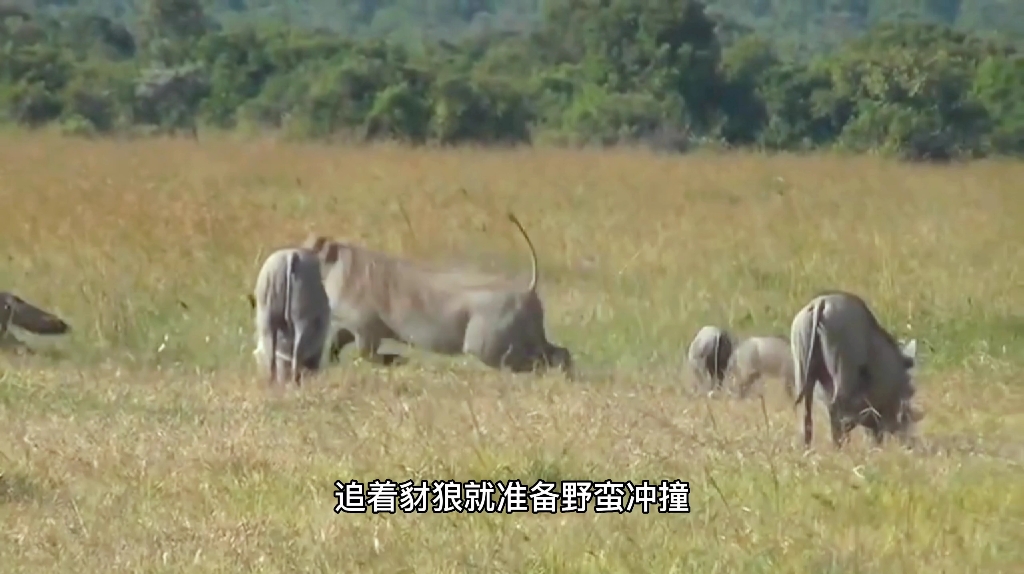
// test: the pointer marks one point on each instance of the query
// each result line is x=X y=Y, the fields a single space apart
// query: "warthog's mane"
x=384 y=271
x=872 y=319
x=390 y=281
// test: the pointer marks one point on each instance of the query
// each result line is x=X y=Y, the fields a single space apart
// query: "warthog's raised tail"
x=533 y=252
x=16 y=311
x=807 y=380
x=718 y=350
x=289 y=314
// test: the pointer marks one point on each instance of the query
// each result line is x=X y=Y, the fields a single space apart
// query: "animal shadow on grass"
x=10 y=345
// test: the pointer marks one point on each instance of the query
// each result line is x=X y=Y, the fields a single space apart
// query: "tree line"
x=672 y=74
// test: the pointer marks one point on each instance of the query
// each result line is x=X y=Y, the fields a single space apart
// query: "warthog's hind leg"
x=876 y=434
x=295 y=361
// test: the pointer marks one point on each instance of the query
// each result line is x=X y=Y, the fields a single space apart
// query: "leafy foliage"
x=920 y=79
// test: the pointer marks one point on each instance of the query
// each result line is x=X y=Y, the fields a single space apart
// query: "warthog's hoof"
x=393 y=360
x=384 y=360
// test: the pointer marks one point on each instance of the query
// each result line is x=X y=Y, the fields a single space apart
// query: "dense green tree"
x=920 y=79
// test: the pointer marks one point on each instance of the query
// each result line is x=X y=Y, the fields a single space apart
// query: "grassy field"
x=144 y=441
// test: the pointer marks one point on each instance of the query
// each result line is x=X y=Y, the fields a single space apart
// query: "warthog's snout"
x=560 y=358
x=17 y=311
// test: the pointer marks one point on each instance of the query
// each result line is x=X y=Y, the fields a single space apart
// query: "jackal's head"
x=16 y=311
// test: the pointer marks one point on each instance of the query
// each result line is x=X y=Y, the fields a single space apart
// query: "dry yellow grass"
x=145 y=443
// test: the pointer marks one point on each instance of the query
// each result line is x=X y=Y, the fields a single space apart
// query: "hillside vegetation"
x=918 y=79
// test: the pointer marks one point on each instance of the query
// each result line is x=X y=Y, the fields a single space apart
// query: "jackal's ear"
x=252 y=300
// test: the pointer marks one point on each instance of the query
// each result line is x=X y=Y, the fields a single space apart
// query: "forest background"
x=918 y=79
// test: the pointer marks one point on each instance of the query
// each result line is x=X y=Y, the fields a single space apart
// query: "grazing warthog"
x=376 y=296
x=758 y=357
x=16 y=311
x=867 y=378
x=709 y=355
x=291 y=309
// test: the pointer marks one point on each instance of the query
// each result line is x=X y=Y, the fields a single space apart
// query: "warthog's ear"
x=910 y=349
x=910 y=353
x=252 y=300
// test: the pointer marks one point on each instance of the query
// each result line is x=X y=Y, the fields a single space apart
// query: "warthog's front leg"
x=368 y=346
x=391 y=359
x=787 y=386
x=344 y=337
x=717 y=378
x=699 y=381
x=872 y=422
x=273 y=358
x=841 y=425
x=297 y=366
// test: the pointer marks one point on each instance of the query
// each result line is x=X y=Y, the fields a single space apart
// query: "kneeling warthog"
x=838 y=343
x=292 y=310
x=376 y=296
x=759 y=357
x=709 y=355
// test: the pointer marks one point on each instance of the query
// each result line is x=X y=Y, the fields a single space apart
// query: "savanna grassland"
x=145 y=441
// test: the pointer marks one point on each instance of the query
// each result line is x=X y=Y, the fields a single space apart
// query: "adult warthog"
x=866 y=376
x=759 y=357
x=708 y=355
x=376 y=296
x=292 y=311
